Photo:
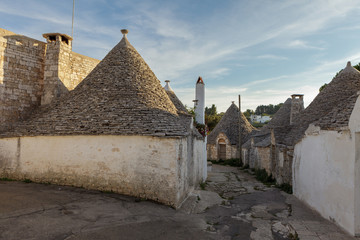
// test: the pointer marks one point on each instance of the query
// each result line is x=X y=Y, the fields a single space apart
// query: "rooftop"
x=121 y=96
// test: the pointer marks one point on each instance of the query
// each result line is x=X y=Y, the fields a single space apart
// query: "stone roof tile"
x=229 y=125
x=334 y=98
x=121 y=96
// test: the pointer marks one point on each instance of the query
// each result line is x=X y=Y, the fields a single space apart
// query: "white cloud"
x=272 y=57
x=302 y=45
x=216 y=73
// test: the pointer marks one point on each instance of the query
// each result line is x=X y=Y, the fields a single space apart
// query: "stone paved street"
x=232 y=206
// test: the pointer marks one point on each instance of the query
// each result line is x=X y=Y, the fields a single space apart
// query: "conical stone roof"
x=229 y=125
x=330 y=108
x=174 y=99
x=280 y=120
x=121 y=96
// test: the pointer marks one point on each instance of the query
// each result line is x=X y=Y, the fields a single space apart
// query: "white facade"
x=199 y=107
x=161 y=169
x=259 y=118
x=326 y=172
x=200 y=102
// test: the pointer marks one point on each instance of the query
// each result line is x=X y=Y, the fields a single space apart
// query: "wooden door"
x=222 y=151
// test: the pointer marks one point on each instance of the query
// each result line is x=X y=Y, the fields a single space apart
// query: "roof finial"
x=124 y=32
x=167 y=86
x=348 y=64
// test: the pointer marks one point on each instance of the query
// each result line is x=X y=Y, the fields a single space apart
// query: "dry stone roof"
x=121 y=96
x=339 y=117
x=174 y=99
x=229 y=125
x=332 y=107
x=281 y=119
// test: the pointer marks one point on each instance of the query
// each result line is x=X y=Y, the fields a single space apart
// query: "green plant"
x=26 y=180
x=293 y=236
x=203 y=185
x=201 y=128
x=263 y=177
x=6 y=179
x=234 y=162
x=285 y=187
x=246 y=166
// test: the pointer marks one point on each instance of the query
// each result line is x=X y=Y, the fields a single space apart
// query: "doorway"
x=222 y=149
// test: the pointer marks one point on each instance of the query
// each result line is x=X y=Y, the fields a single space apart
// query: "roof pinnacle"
x=124 y=32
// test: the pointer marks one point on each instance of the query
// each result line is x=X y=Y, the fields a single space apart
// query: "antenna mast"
x=72 y=24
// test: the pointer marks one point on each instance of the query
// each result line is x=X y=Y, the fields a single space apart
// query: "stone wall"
x=232 y=151
x=64 y=69
x=282 y=159
x=33 y=72
x=81 y=66
x=264 y=159
x=21 y=76
x=148 y=167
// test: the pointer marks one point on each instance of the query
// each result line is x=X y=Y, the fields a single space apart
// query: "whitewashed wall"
x=326 y=170
x=148 y=167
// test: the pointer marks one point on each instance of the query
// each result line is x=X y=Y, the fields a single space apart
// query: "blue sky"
x=264 y=50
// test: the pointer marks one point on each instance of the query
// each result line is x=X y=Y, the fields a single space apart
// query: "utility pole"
x=240 y=143
x=72 y=23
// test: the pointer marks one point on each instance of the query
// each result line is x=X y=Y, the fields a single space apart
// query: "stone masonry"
x=21 y=75
x=29 y=67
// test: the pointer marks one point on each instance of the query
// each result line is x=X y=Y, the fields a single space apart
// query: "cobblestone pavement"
x=259 y=212
x=233 y=206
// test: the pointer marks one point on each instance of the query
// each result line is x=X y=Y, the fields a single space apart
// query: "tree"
x=248 y=113
x=357 y=66
x=190 y=110
x=212 y=118
x=211 y=111
x=322 y=87
x=267 y=109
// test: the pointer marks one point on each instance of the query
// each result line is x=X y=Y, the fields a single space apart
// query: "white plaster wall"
x=323 y=174
x=354 y=125
x=201 y=161
x=141 y=166
x=200 y=104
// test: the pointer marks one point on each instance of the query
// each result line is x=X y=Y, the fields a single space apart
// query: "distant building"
x=316 y=149
x=259 y=118
x=223 y=141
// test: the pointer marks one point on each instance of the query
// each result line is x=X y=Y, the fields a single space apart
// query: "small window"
x=52 y=38
x=65 y=40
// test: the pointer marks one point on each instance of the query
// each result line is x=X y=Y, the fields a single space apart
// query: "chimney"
x=297 y=105
x=200 y=101
x=167 y=86
x=57 y=79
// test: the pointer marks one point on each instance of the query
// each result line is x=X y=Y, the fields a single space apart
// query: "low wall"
x=147 y=167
